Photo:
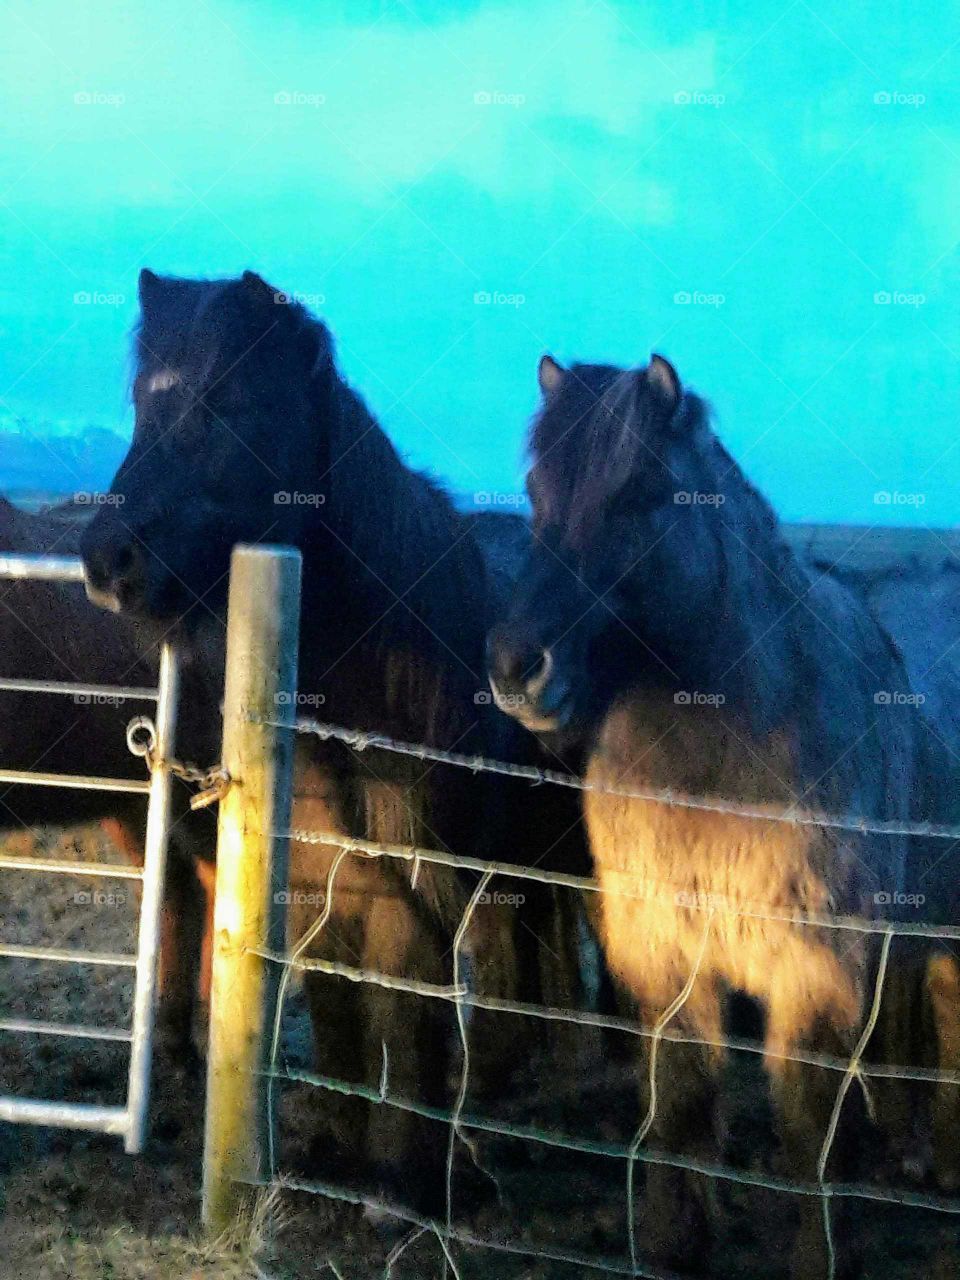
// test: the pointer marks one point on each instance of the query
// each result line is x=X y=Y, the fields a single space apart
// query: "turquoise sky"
x=791 y=169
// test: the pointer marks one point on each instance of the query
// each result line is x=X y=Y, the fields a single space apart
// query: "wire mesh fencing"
x=466 y=1125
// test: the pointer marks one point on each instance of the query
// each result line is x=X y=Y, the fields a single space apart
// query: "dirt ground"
x=74 y=1207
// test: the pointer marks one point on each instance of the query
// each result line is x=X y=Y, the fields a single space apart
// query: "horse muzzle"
x=526 y=685
x=101 y=597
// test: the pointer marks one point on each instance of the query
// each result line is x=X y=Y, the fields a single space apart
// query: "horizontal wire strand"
x=361 y=740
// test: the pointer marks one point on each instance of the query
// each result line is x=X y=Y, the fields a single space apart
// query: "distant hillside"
x=60 y=458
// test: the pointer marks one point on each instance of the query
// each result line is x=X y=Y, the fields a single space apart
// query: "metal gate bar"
x=154 y=867
x=12 y=862
x=42 y=568
x=118 y=691
x=76 y=781
x=128 y=1121
x=69 y=1031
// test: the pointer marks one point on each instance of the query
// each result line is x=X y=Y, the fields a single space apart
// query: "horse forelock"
x=586 y=444
x=196 y=330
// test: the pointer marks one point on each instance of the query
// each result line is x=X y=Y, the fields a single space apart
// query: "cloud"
x=553 y=92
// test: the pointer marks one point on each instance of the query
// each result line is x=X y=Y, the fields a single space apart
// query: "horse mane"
x=406 y=558
x=594 y=435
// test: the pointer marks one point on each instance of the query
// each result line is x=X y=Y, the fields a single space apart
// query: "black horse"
x=245 y=431
x=664 y=617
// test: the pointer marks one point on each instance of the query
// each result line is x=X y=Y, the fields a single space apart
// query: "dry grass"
x=242 y=1253
x=74 y=1207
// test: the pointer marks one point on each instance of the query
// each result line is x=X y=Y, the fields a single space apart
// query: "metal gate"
x=130 y=1120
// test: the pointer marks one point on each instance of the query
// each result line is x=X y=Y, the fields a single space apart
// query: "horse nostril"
x=522 y=664
x=123 y=561
x=111 y=557
x=534 y=665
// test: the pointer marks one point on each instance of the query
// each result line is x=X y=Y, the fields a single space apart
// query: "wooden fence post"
x=260 y=686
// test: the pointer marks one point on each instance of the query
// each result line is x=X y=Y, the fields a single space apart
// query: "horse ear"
x=549 y=375
x=149 y=288
x=317 y=346
x=257 y=288
x=663 y=379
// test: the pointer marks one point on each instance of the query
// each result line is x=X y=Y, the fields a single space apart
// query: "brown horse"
x=245 y=431
x=49 y=631
x=664 y=616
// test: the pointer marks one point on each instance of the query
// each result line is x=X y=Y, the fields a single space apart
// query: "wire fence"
x=465 y=1000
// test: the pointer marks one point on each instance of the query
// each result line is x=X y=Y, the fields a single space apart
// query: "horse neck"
x=796 y=659
x=407 y=578
x=727 y=608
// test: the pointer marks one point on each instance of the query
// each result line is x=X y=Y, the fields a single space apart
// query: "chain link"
x=211 y=783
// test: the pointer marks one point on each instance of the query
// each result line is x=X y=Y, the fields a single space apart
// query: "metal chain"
x=211 y=783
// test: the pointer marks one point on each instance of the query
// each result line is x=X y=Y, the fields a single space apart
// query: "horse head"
x=626 y=484
x=229 y=381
